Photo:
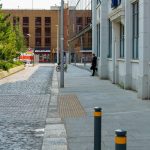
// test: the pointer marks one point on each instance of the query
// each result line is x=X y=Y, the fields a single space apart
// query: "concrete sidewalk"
x=54 y=132
x=85 y=66
x=121 y=109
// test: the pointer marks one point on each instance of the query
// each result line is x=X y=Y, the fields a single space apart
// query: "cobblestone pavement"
x=24 y=99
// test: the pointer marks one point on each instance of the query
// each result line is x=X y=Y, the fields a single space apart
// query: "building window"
x=79 y=28
x=98 y=2
x=110 y=40
x=37 y=21
x=79 y=20
x=47 y=21
x=87 y=21
x=25 y=21
x=15 y=21
x=25 y=31
x=27 y=41
x=115 y=3
x=135 y=54
x=37 y=41
x=37 y=31
x=47 y=42
x=83 y=42
x=121 y=41
x=98 y=40
x=90 y=39
x=47 y=31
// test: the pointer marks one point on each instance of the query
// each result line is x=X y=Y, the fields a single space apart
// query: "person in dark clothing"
x=94 y=64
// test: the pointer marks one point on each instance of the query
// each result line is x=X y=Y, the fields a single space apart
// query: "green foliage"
x=4 y=65
x=20 y=40
x=18 y=63
x=7 y=66
x=7 y=39
x=12 y=41
x=0 y=5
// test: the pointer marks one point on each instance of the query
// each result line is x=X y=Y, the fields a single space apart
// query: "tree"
x=20 y=40
x=7 y=38
x=0 y=5
x=12 y=41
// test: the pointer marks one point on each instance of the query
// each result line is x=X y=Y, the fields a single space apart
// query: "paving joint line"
x=55 y=137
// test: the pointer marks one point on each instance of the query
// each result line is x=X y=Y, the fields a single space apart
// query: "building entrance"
x=44 y=57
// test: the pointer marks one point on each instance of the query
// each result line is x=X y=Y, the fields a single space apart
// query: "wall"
x=129 y=73
x=121 y=73
x=38 y=13
x=135 y=73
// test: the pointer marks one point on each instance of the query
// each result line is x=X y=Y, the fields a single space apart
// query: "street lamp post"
x=29 y=35
x=32 y=4
x=57 y=44
x=62 y=45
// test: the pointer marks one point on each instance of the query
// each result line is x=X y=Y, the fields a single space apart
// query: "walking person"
x=94 y=64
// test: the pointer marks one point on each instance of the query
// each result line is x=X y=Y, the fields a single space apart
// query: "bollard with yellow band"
x=97 y=128
x=120 y=139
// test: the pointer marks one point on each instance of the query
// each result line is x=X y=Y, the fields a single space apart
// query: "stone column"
x=128 y=45
x=115 y=50
x=144 y=54
x=104 y=40
x=94 y=28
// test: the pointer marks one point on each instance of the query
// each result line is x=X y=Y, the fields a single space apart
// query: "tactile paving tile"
x=69 y=106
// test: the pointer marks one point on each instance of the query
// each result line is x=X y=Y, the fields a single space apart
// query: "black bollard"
x=120 y=139
x=97 y=128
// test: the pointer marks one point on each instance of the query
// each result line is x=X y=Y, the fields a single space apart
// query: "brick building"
x=80 y=41
x=80 y=32
x=40 y=30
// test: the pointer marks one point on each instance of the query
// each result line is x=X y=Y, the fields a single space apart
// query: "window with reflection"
x=37 y=41
x=98 y=40
x=48 y=42
x=121 y=41
x=38 y=31
x=79 y=20
x=135 y=53
x=47 y=31
x=98 y=2
x=115 y=3
x=47 y=21
x=25 y=31
x=25 y=21
x=88 y=20
x=37 y=21
x=110 y=39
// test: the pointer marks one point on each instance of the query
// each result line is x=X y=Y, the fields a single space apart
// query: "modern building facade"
x=121 y=40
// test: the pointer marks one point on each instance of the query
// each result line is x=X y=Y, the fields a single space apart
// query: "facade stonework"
x=123 y=52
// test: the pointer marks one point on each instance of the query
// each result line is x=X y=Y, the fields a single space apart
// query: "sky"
x=28 y=4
